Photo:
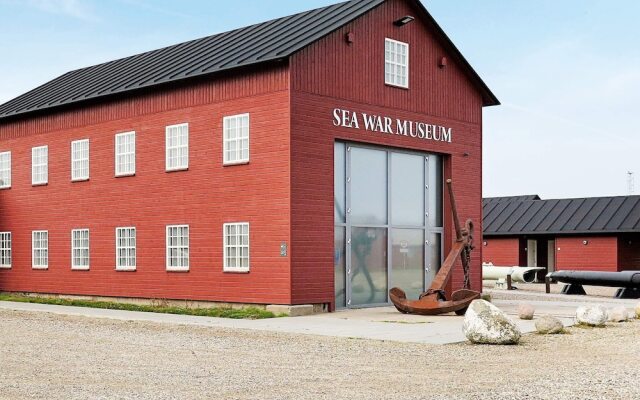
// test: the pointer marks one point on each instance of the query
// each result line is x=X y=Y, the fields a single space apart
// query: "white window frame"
x=5 y=250
x=178 y=248
x=395 y=64
x=120 y=137
x=5 y=170
x=234 y=145
x=178 y=147
x=78 y=246
x=36 y=162
x=128 y=247
x=40 y=248
x=227 y=247
x=80 y=160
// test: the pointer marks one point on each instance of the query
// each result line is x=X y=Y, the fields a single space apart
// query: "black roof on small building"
x=269 y=41
x=529 y=215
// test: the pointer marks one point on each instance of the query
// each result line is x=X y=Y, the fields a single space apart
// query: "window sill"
x=234 y=163
x=169 y=269
x=5 y=187
x=80 y=180
x=39 y=184
x=125 y=269
x=229 y=271
x=176 y=170
x=396 y=86
x=5 y=266
x=125 y=175
x=40 y=268
x=80 y=268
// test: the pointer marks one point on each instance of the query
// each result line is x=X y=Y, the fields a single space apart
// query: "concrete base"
x=292 y=311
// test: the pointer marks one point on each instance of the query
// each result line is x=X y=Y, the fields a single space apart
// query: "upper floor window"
x=396 y=63
x=5 y=170
x=80 y=249
x=40 y=165
x=5 y=249
x=236 y=247
x=236 y=139
x=80 y=160
x=126 y=154
x=40 y=249
x=178 y=248
x=177 y=146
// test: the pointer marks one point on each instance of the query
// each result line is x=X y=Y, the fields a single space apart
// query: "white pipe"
x=518 y=274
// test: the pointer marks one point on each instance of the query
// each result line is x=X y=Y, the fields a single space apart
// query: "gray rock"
x=484 y=323
x=618 y=314
x=548 y=325
x=592 y=315
x=526 y=311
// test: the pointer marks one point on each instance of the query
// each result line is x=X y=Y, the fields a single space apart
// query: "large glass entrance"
x=388 y=223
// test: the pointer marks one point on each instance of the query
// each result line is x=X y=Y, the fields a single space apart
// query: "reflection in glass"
x=435 y=191
x=434 y=252
x=407 y=189
x=339 y=267
x=407 y=253
x=339 y=174
x=368 y=186
x=368 y=266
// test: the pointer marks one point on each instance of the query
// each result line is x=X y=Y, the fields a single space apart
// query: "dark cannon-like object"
x=628 y=282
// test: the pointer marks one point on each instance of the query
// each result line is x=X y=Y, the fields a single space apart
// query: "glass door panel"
x=407 y=189
x=368 y=186
x=407 y=253
x=368 y=266
x=340 y=267
x=434 y=254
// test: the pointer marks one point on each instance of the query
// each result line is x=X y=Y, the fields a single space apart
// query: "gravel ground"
x=62 y=357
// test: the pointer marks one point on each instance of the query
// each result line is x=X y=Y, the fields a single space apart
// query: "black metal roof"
x=268 y=41
x=528 y=215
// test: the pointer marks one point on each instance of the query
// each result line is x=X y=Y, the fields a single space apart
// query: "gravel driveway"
x=61 y=357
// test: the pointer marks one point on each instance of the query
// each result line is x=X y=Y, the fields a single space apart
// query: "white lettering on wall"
x=381 y=124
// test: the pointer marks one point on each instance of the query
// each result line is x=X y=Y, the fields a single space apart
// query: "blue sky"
x=567 y=72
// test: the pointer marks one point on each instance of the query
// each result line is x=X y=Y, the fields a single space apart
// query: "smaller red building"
x=596 y=234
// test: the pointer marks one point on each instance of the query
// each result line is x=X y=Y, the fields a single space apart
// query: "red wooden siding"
x=503 y=252
x=204 y=197
x=333 y=74
x=600 y=253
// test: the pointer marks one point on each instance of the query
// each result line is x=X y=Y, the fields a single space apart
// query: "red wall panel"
x=204 y=197
x=502 y=252
x=333 y=74
x=599 y=254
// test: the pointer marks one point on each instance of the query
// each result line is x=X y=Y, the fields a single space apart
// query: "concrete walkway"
x=383 y=323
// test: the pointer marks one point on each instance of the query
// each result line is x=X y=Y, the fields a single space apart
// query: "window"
x=177 y=146
x=126 y=154
x=126 y=249
x=40 y=249
x=80 y=249
x=80 y=160
x=39 y=165
x=178 y=248
x=5 y=249
x=5 y=170
x=236 y=139
x=396 y=63
x=236 y=247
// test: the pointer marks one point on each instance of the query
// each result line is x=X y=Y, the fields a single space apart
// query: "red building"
x=297 y=161
x=592 y=234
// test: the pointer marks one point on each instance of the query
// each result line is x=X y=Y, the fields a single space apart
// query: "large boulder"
x=592 y=315
x=618 y=314
x=526 y=311
x=484 y=323
x=548 y=325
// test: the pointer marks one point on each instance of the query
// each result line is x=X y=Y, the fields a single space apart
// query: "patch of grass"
x=242 y=313
x=486 y=297
x=587 y=326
